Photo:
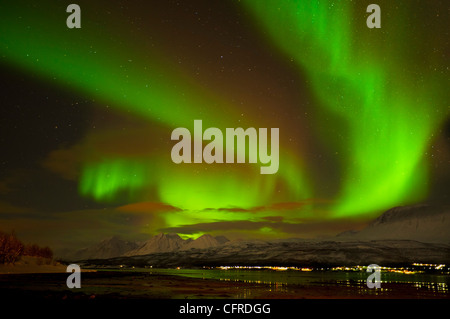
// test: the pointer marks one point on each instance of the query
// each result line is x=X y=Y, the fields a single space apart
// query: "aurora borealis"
x=363 y=115
x=384 y=109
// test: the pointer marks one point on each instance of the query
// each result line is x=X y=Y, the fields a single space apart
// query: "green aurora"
x=390 y=107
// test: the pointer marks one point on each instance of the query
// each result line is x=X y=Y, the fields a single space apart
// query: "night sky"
x=86 y=116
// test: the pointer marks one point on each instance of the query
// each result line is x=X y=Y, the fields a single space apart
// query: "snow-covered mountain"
x=420 y=230
x=205 y=241
x=222 y=239
x=172 y=242
x=107 y=248
x=258 y=253
x=423 y=223
x=158 y=244
x=161 y=243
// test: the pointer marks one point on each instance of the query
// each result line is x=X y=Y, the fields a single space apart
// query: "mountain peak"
x=114 y=246
x=423 y=223
x=158 y=244
x=205 y=236
x=109 y=247
x=203 y=242
x=400 y=213
x=222 y=239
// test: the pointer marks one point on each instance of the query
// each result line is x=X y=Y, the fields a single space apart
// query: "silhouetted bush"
x=31 y=250
x=36 y=251
x=11 y=248
x=46 y=252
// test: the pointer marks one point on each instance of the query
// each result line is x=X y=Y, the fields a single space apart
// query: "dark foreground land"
x=115 y=285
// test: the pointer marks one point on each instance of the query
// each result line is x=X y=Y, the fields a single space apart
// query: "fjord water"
x=431 y=284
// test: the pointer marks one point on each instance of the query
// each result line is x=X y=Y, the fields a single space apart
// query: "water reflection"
x=417 y=284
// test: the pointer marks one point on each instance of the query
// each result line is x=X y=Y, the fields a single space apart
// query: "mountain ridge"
x=301 y=254
x=114 y=246
x=425 y=224
x=107 y=248
x=158 y=244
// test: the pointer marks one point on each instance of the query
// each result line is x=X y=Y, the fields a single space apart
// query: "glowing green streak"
x=133 y=79
x=389 y=125
x=83 y=59
x=106 y=179
x=216 y=189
